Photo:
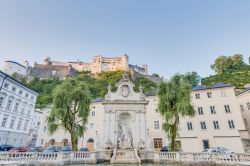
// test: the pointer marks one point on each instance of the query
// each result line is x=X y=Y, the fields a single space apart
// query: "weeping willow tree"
x=70 y=110
x=174 y=102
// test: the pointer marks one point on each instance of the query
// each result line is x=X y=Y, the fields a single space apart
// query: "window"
x=44 y=129
x=203 y=125
x=25 y=125
x=91 y=126
x=27 y=95
x=189 y=126
x=216 y=124
x=241 y=108
x=231 y=124
x=223 y=94
x=6 y=85
x=1 y=101
x=16 y=107
x=156 y=125
x=23 y=108
x=197 y=96
x=209 y=94
x=5 y=119
x=29 y=109
x=93 y=113
x=8 y=106
x=42 y=140
x=248 y=106
x=32 y=98
x=20 y=92
x=212 y=108
x=200 y=110
x=157 y=142
x=227 y=108
x=12 y=122
x=19 y=124
x=13 y=89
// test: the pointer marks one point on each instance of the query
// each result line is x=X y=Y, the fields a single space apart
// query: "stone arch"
x=125 y=116
x=90 y=144
x=65 y=142
x=52 y=142
x=90 y=140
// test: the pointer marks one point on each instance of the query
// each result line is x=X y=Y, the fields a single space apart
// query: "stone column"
x=106 y=127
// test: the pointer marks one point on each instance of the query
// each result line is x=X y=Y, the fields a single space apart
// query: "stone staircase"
x=128 y=156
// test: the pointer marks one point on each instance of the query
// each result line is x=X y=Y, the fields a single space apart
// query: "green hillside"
x=97 y=86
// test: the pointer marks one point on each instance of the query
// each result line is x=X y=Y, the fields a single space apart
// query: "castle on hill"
x=50 y=68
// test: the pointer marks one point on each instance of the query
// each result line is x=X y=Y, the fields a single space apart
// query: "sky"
x=169 y=36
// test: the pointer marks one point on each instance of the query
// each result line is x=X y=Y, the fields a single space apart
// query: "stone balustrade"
x=232 y=158
x=41 y=157
x=94 y=157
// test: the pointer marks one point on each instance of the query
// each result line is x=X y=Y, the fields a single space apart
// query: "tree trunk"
x=174 y=133
x=73 y=141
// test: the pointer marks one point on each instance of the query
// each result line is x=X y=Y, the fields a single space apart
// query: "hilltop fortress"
x=60 y=69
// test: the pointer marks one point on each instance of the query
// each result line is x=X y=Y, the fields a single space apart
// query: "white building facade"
x=17 y=104
x=11 y=67
x=218 y=121
x=108 y=119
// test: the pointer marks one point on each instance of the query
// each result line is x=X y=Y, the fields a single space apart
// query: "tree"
x=70 y=111
x=225 y=64
x=193 y=78
x=149 y=86
x=174 y=101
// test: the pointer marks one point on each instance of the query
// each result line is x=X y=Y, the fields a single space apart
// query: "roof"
x=15 y=63
x=246 y=90
x=215 y=86
x=8 y=76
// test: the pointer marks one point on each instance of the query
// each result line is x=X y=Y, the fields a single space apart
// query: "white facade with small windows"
x=218 y=122
x=16 y=111
x=244 y=102
x=11 y=67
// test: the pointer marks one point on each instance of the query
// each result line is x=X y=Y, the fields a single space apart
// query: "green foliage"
x=71 y=101
x=225 y=64
x=97 y=86
x=149 y=87
x=193 y=78
x=239 y=78
x=44 y=87
x=174 y=101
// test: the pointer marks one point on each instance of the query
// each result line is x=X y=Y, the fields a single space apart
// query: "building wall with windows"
x=35 y=126
x=94 y=129
x=11 y=67
x=157 y=137
x=94 y=136
x=244 y=103
x=218 y=121
x=16 y=111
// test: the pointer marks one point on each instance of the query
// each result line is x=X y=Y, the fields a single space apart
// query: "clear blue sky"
x=169 y=36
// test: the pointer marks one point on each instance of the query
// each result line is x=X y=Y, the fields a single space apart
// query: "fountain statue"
x=125 y=140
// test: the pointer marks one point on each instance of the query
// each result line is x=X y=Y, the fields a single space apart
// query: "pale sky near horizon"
x=169 y=36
